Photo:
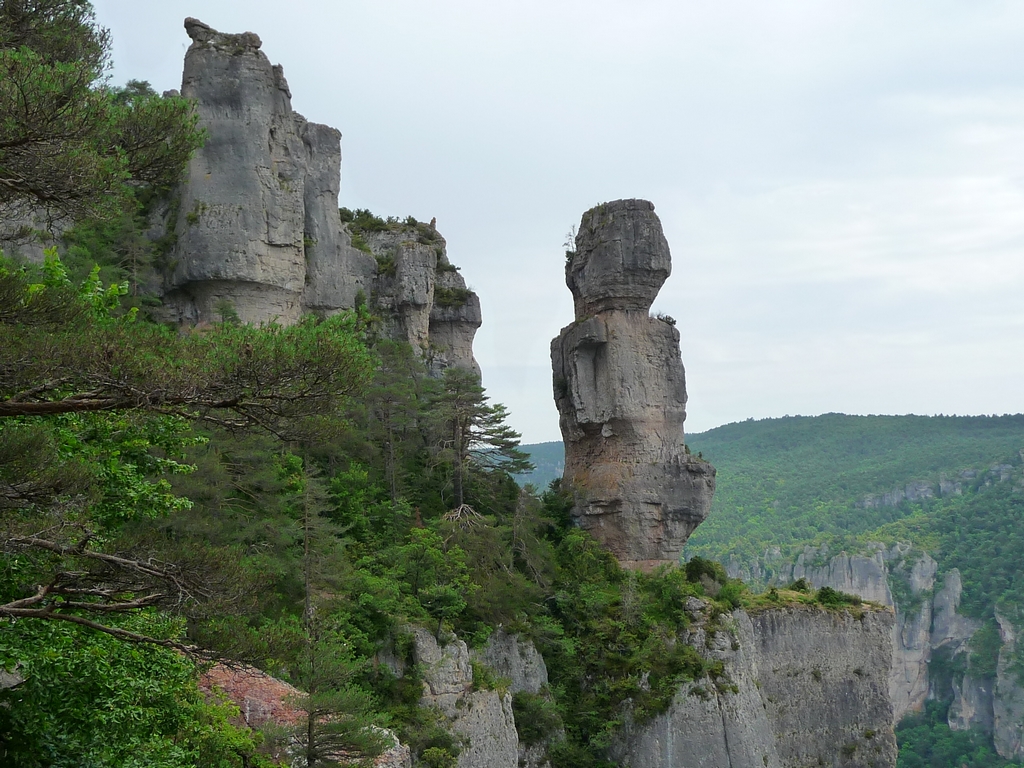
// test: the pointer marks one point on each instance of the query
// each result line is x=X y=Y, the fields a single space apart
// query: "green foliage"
x=386 y=265
x=484 y=678
x=361 y=220
x=798 y=479
x=985 y=644
x=613 y=636
x=926 y=741
x=118 y=246
x=449 y=298
x=89 y=699
x=438 y=757
x=70 y=144
x=537 y=717
x=699 y=566
x=833 y=598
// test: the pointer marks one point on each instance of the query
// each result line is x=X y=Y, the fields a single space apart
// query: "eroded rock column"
x=620 y=390
x=255 y=219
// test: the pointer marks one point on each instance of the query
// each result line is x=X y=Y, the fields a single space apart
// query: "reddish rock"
x=259 y=697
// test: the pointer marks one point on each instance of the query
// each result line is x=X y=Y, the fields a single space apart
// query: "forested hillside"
x=949 y=485
x=800 y=481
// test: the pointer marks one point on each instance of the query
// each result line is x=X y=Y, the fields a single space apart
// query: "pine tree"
x=473 y=438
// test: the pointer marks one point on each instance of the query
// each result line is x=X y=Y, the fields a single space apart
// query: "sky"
x=841 y=184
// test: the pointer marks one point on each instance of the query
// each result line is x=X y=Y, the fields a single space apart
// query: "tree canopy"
x=70 y=145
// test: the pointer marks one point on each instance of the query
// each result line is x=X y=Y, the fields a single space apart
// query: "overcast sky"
x=841 y=183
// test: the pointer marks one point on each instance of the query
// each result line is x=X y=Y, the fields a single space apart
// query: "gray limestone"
x=515 y=659
x=949 y=628
x=931 y=622
x=483 y=718
x=805 y=687
x=256 y=216
x=972 y=705
x=423 y=298
x=621 y=260
x=620 y=390
x=453 y=321
x=256 y=219
x=404 y=287
x=1008 y=703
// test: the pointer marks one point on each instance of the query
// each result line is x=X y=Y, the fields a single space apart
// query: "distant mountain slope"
x=793 y=480
x=951 y=485
x=548 y=460
x=818 y=490
x=769 y=466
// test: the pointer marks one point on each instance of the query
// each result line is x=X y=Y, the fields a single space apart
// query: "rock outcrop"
x=256 y=226
x=422 y=297
x=1008 y=702
x=802 y=687
x=483 y=718
x=928 y=628
x=517 y=660
x=256 y=218
x=621 y=393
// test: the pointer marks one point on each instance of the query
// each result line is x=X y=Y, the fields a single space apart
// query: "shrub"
x=834 y=598
x=536 y=717
x=731 y=592
x=451 y=297
x=698 y=566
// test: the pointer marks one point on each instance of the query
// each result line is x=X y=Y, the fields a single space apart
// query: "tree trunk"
x=458 y=462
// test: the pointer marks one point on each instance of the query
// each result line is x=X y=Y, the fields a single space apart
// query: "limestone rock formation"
x=1008 y=703
x=483 y=718
x=256 y=218
x=256 y=226
x=621 y=393
x=803 y=687
x=928 y=625
x=422 y=296
x=517 y=660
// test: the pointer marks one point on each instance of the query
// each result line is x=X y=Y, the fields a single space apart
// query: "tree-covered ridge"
x=798 y=479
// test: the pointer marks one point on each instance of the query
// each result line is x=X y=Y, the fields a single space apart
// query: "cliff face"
x=256 y=224
x=422 y=296
x=620 y=390
x=803 y=687
x=483 y=718
x=927 y=626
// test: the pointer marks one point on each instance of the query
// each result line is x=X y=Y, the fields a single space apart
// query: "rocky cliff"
x=256 y=227
x=256 y=218
x=483 y=719
x=421 y=295
x=802 y=687
x=928 y=630
x=620 y=390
